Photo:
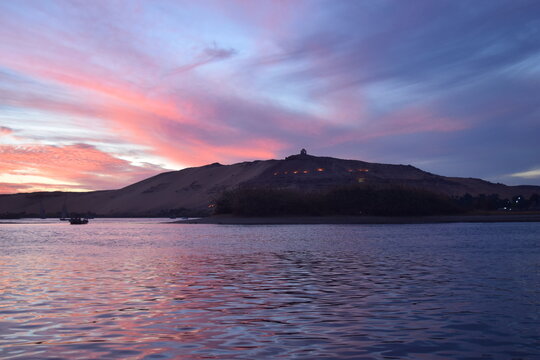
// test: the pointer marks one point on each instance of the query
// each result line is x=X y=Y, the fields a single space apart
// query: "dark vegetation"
x=494 y=202
x=359 y=200
x=340 y=201
x=180 y=212
x=355 y=200
x=12 y=215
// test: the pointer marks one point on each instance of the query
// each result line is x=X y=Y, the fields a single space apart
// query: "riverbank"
x=306 y=220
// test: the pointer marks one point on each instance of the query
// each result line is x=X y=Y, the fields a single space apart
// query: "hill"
x=193 y=190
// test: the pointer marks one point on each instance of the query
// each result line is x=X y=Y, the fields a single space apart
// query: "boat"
x=78 y=221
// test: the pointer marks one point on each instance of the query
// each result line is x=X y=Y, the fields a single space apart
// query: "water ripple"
x=150 y=291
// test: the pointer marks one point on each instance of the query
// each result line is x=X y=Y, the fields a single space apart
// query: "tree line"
x=358 y=200
x=494 y=202
x=339 y=201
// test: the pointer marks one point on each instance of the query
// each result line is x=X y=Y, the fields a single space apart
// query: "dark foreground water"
x=139 y=289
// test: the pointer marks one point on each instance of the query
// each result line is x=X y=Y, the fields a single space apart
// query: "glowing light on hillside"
x=307 y=171
x=357 y=170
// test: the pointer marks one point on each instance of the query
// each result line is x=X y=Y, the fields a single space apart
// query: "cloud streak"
x=4 y=130
x=530 y=174
x=78 y=166
x=207 y=56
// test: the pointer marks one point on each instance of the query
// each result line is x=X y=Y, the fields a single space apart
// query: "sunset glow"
x=98 y=95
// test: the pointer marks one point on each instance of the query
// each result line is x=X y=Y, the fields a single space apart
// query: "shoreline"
x=336 y=220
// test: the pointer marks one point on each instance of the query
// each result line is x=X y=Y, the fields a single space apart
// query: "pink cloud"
x=413 y=120
x=134 y=99
x=4 y=130
x=12 y=188
x=131 y=110
x=79 y=166
x=401 y=122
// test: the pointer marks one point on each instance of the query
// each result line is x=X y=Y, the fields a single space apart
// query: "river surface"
x=140 y=289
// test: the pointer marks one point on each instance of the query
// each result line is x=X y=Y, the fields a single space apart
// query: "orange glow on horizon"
x=73 y=167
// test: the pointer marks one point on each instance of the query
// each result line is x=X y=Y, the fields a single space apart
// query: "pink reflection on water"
x=124 y=290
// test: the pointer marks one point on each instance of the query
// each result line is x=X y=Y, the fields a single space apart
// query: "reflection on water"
x=127 y=289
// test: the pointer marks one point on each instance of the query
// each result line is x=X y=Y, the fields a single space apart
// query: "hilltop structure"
x=303 y=154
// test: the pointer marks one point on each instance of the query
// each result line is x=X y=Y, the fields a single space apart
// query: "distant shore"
x=308 y=220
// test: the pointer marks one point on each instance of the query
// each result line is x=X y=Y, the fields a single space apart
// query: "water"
x=145 y=290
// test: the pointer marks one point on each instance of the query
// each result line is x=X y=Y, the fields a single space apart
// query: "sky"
x=100 y=94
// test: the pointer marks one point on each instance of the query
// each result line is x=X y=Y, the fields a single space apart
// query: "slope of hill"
x=193 y=190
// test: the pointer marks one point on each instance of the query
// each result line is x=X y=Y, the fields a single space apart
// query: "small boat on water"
x=78 y=221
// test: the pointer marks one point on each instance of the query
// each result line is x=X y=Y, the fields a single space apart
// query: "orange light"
x=320 y=169
x=295 y=172
x=306 y=171
x=363 y=170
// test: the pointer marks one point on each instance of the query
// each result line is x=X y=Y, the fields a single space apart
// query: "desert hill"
x=193 y=190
